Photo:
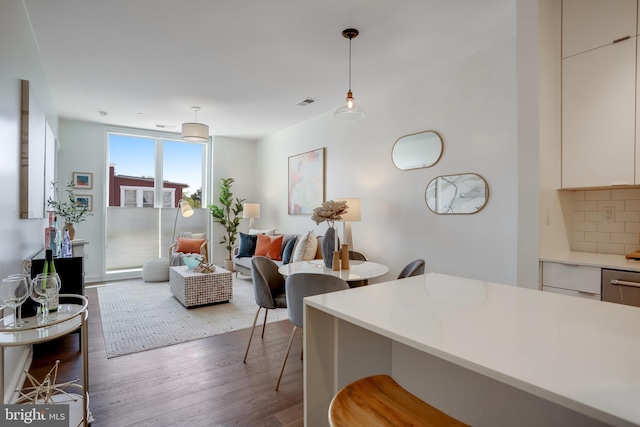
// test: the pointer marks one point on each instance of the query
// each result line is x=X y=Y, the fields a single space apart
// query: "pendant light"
x=350 y=111
x=195 y=132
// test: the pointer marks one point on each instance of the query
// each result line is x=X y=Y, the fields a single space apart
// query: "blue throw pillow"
x=288 y=250
x=247 y=245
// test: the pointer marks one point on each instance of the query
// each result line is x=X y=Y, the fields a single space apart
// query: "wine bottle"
x=50 y=268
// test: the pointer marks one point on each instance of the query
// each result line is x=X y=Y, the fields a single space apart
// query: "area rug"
x=139 y=316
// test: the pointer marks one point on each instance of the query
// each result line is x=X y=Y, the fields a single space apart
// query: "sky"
x=134 y=156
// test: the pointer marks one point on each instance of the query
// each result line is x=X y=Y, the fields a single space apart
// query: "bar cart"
x=72 y=315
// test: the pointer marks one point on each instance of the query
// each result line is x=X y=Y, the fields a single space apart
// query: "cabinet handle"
x=621 y=39
x=591 y=294
x=625 y=283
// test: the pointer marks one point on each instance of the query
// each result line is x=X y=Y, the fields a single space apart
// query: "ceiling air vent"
x=165 y=126
x=306 y=102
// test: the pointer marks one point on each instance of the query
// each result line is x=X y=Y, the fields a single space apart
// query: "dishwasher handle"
x=625 y=283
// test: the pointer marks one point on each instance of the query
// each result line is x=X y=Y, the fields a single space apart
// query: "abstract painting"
x=306 y=182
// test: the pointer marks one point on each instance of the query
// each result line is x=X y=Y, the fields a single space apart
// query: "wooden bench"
x=380 y=401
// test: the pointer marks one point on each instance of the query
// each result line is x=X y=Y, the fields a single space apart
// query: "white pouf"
x=156 y=270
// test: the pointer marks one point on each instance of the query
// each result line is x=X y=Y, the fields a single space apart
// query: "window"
x=148 y=174
x=143 y=197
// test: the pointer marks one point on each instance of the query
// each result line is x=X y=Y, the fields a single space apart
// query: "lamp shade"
x=195 y=132
x=353 y=212
x=251 y=210
x=186 y=208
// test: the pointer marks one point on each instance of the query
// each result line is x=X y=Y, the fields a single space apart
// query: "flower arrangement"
x=330 y=211
x=71 y=211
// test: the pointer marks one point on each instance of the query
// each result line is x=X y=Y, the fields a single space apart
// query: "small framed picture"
x=85 y=200
x=83 y=180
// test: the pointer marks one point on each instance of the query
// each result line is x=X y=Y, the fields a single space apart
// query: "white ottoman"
x=156 y=270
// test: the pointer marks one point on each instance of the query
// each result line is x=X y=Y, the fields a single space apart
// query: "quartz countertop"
x=578 y=353
x=616 y=262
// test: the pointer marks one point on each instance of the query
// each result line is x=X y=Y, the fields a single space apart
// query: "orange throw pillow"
x=269 y=246
x=189 y=246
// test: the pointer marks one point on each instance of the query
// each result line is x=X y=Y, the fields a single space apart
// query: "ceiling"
x=246 y=63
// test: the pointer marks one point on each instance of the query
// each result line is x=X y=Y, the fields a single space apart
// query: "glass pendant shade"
x=195 y=132
x=349 y=111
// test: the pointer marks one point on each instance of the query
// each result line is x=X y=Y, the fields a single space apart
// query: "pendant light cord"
x=350 y=63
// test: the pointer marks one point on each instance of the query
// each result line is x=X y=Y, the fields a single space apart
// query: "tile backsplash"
x=606 y=221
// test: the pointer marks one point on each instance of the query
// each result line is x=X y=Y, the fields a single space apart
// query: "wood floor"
x=198 y=383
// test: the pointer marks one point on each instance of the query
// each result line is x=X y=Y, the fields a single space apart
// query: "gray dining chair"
x=269 y=289
x=299 y=286
x=414 y=268
x=357 y=256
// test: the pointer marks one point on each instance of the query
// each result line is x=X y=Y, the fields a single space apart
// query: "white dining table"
x=358 y=270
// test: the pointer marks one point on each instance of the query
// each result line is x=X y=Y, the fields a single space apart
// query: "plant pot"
x=72 y=231
x=228 y=265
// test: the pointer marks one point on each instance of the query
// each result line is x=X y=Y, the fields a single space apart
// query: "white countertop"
x=616 y=262
x=578 y=353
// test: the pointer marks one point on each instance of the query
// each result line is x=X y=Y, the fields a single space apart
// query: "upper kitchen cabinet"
x=589 y=24
x=598 y=117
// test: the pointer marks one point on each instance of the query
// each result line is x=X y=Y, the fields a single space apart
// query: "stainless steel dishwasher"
x=622 y=287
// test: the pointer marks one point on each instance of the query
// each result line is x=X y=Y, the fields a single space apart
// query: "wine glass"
x=45 y=287
x=14 y=292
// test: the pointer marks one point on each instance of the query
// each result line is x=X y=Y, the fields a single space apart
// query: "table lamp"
x=352 y=215
x=251 y=211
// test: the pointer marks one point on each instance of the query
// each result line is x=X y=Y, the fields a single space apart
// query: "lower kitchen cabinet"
x=576 y=280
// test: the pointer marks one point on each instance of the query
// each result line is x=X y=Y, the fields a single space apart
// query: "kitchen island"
x=486 y=354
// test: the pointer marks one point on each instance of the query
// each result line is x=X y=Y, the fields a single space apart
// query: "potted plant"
x=72 y=211
x=227 y=215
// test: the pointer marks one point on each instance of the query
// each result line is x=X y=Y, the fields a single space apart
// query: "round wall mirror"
x=419 y=150
x=457 y=194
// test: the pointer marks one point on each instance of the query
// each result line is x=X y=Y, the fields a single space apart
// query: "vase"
x=328 y=246
x=72 y=231
x=344 y=253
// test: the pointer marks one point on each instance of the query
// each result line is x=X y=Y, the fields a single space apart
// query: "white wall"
x=472 y=104
x=233 y=158
x=20 y=238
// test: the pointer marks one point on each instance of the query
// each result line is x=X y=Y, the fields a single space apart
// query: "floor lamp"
x=187 y=211
x=251 y=211
x=352 y=215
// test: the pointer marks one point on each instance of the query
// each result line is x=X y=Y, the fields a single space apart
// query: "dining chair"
x=414 y=268
x=357 y=256
x=299 y=286
x=269 y=289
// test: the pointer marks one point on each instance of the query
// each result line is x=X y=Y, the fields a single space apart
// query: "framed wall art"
x=83 y=180
x=85 y=200
x=306 y=182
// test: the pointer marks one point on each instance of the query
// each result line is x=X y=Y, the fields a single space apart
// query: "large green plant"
x=227 y=215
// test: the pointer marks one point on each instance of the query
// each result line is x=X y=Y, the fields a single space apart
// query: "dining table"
x=358 y=270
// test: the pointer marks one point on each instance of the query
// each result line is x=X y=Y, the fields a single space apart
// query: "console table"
x=72 y=315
